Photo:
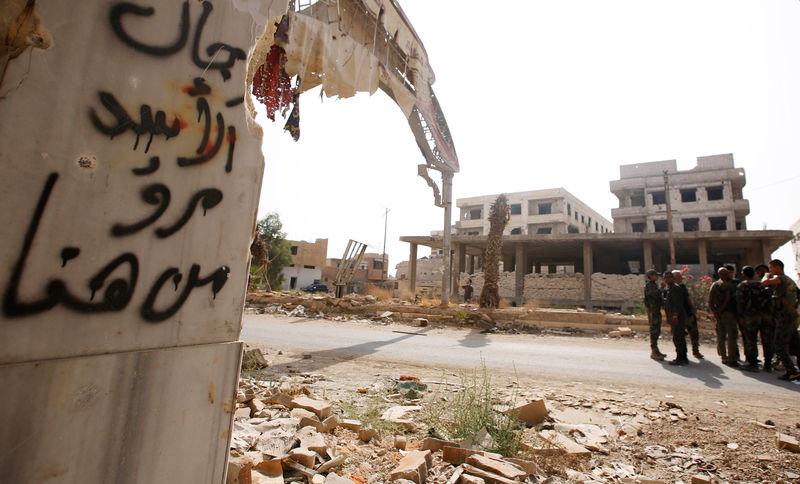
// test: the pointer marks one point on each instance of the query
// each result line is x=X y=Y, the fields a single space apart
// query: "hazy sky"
x=545 y=94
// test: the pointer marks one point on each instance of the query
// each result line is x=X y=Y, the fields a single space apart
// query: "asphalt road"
x=571 y=358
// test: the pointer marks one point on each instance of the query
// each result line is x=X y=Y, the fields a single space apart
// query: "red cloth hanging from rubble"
x=272 y=86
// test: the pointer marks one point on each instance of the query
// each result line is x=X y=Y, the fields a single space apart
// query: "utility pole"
x=383 y=257
x=669 y=221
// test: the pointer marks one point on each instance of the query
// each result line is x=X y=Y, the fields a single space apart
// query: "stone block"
x=299 y=413
x=239 y=469
x=400 y=442
x=433 y=444
x=457 y=455
x=313 y=423
x=531 y=413
x=367 y=434
x=242 y=413
x=489 y=477
x=303 y=456
x=788 y=442
x=254 y=359
x=330 y=423
x=280 y=398
x=312 y=440
x=350 y=424
x=568 y=445
x=321 y=408
x=413 y=466
x=496 y=466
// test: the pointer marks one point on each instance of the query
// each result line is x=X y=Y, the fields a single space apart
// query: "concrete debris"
x=788 y=442
x=496 y=466
x=350 y=424
x=531 y=413
x=414 y=466
x=322 y=409
x=367 y=434
x=254 y=359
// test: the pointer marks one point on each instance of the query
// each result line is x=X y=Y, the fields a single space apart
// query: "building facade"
x=308 y=260
x=706 y=198
x=538 y=212
x=795 y=228
x=371 y=270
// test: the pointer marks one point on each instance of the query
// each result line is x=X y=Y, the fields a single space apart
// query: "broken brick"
x=531 y=413
x=458 y=455
x=414 y=467
x=489 y=477
x=350 y=424
x=788 y=442
x=434 y=444
x=239 y=470
x=367 y=434
x=496 y=466
x=468 y=479
x=303 y=456
x=312 y=422
x=321 y=408
x=312 y=440
x=330 y=423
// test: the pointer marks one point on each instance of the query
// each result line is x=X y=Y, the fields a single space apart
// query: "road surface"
x=572 y=358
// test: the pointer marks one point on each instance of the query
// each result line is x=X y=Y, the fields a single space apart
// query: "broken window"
x=688 y=195
x=660 y=225
x=637 y=200
x=516 y=208
x=294 y=250
x=714 y=193
x=516 y=231
x=718 y=223
x=545 y=208
x=659 y=198
x=638 y=227
x=544 y=230
x=475 y=214
x=691 y=224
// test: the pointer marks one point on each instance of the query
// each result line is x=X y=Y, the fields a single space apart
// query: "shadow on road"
x=771 y=378
x=707 y=372
x=474 y=339
x=318 y=360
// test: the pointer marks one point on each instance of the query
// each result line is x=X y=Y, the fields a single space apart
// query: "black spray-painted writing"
x=158 y=194
x=147 y=124
x=118 y=292
x=214 y=50
x=151 y=167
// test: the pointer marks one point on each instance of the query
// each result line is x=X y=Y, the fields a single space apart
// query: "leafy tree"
x=278 y=250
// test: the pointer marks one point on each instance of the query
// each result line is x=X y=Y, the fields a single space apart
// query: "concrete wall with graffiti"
x=131 y=174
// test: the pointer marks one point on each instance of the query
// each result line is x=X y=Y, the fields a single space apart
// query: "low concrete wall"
x=567 y=288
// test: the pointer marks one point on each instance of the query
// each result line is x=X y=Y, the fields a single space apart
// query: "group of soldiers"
x=763 y=304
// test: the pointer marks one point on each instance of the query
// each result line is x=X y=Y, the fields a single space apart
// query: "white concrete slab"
x=158 y=416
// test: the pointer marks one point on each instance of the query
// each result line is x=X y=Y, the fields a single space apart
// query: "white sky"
x=545 y=94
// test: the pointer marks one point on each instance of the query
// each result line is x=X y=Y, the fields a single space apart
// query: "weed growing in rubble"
x=471 y=410
x=461 y=316
x=383 y=294
x=369 y=413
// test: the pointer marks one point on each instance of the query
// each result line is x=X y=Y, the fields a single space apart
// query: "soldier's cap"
x=667 y=274
x=652 y=272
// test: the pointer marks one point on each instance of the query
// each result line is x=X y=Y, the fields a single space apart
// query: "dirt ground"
x=649 y=432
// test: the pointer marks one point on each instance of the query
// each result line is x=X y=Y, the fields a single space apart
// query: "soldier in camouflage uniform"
x=653 y=302
x=691 y=317
x=676 y=316
x=784 y=305
x=721 y=301
x=752 y=304
x=767 y=329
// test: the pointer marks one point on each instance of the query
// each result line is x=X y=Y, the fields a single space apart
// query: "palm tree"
x=499 y=215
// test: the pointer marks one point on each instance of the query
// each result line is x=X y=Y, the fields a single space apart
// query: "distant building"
x=795 y=228
x=308 y=260
x=705 y=198
x=372 y=270
x=537 y=212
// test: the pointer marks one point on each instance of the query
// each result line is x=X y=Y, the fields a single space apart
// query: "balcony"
x=741 y=207
x=624 y=212
x=469 y=224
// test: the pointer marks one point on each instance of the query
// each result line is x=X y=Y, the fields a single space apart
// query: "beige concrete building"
x=308 y=259
x=795 y=228
x=370 y=271
x=706 y=198
x=536 y=212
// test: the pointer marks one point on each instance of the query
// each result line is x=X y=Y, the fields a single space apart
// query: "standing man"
x=784 y=304
x=767 y=328
x=653 y=302
x=676 y=316
x=752 y=304
x=691 y=316
x=721 y=302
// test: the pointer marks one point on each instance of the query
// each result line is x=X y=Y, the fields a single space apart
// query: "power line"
x=774 y=183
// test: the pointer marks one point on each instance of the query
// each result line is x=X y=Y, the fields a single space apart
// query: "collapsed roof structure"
x=349 y=46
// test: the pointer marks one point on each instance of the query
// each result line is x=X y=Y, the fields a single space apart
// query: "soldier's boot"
x=695 y=337
x=657 y=355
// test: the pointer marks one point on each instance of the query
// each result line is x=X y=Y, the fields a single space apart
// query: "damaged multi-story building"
x=308 y=260
x=536 y=212
x=705 y=198
x=599 y=267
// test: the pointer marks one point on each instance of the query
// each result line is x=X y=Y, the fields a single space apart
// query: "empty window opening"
x=738 y=225
x=516 y=209
x=516 y=231
x=293 y=283
x=718 y=223
x=596 y=227
x=659 y=198
x=576 y=215
x=377 y=264
x=714 y=193
x=637 y=200
x=688 y=195
x=572 y=229
x=583 y=221
x=660 y=225
x=475 y=214
x=638 y=227
x=294 y=250
x=309 y=267
x=569 y=209
x=545 y=208
x=691 y=224
x=544 y=230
